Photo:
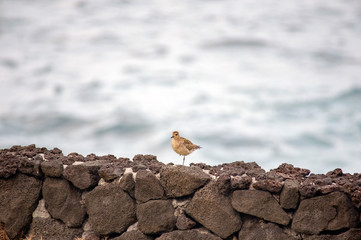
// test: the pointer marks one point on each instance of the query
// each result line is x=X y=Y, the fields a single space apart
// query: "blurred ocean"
x=270 y=81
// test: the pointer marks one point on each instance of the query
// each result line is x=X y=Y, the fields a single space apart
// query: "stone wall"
x=46 y=195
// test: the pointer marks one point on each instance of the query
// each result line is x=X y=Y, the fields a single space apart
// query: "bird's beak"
x=172 y=137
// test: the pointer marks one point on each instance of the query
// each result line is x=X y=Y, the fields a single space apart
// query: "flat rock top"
x=309 y=184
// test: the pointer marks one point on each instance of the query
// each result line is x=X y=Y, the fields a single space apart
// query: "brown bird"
x=182 y=146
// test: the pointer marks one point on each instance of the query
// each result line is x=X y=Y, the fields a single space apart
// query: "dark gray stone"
x=111 y=171
x=194 y=234
x=63 y=201
x=179 y=181
x=19 y=197
x=257 y=229
x=260 y=204
x=352 y=234
x=51 y=229
x=214 y=211
x=110 y=209
x=52 y=168
x=133 y=235
x=30 y=167
x=156 y=216
x=127 y=184
x=184 y=222
x=290 y=196
x=147 y=186
x=325 y=213
x=82 y=176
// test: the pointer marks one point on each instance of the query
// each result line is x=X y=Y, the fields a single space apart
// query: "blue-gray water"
x=270 y=81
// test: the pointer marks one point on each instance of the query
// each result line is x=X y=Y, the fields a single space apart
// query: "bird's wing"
x=189 y=145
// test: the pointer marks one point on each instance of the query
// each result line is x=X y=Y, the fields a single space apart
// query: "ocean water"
x=269 y=81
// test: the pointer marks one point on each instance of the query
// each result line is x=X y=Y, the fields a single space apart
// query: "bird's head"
x=175 y=134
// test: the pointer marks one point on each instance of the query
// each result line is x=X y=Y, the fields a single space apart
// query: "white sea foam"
x=265 y=81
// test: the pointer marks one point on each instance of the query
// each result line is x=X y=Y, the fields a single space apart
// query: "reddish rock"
x=289 y=171
x=260 y=204
x=240 y=182
x=272 y=186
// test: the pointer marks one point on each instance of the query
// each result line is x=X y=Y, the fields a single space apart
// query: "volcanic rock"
x=289 y=197
x=181 y=181
x=48 y=228
x=260 y=204
x=147 y=186
x=156 y=216
x=196 y=234
x=52 y=168
x=256 y=229
x=110 y=209
x=127 y=184
x=325 y=213
x=83 y=176
x=62 y=200
x=133 y=235
x=212 y=209
x=19 y=196
x=352 y=234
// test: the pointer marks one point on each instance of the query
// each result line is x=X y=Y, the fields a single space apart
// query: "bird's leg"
x=184 y=157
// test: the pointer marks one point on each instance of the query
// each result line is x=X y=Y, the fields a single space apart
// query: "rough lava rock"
x=83 y=176
x=19 y=197
x=194 y=234
x=62 y=200
x=110 y=209
x=260 y=204
x=53 y=168
x=147 y=186
x=156 y=216
x=111 y=171
x=290 y=196
x=352 y=234
x=31 y=166
x=325 y=213
x=179 y=181
x=257 y=229
x=127 y=183
x=212 y=209
x=48 y=228
x=133 y=235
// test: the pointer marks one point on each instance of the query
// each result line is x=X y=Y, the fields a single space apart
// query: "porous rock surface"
x=18 y=199
x=105 y=197
x=62 y=200
x=260 y=204
x=213 y=210
x=110 y=209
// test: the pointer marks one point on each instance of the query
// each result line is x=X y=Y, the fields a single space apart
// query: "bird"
x=182 y=146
